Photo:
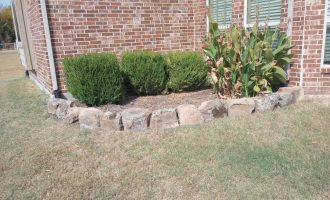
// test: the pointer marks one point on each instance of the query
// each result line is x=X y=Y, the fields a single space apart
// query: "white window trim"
x=246 y=25
x=207 y=16
x=326 y=19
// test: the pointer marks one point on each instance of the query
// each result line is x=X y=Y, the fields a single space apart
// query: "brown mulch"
x=163 y=101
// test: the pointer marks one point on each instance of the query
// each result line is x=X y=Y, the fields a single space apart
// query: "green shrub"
x=94 y=78
x=145 y=72
x=187 y=71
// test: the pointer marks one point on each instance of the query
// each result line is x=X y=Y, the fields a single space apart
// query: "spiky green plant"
x=247 y=62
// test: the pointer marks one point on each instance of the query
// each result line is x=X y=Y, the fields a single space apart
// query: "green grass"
x=280 y=155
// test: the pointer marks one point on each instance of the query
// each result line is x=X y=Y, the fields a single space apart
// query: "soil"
x=163 y=101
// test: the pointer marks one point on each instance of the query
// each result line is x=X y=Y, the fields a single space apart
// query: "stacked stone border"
x=140 y=119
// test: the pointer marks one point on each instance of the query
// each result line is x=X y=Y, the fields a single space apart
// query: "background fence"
x=7 y=46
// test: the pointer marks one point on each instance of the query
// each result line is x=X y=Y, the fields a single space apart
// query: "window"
x=269 y=11
x=327 y=37
x=221 y=11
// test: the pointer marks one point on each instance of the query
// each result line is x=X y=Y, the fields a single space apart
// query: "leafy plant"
x=145 y=72
x=94 y=78
x=247 y=62
x=187 y=71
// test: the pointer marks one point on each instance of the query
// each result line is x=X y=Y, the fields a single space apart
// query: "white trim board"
x=207 y=16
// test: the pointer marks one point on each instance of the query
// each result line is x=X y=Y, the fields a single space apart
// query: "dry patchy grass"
x=10 y=66
x=280 y=155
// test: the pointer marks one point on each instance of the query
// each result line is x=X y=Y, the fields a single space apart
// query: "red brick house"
x=49 y=30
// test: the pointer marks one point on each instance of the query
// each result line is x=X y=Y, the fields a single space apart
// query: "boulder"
x=164 y=118
x=53 y=104
x=267 y=102
x=213 y=109
x=89 y=118
x=72 y=115
x=285 y=99
x=63 y=108
x=111 y=121
x=136 y=119
x=297 y=93
x=189 y=115
x=240 y=107
x=77 y=103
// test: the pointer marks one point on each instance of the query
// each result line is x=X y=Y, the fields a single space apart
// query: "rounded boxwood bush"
x=94 y=79
x=145 y=72
x=187 y=71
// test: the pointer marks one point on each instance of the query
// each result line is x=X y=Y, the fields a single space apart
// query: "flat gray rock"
x=297 y=93
x=189 y=115
x=267 y=102
x=213 y=109
x=89 y=118
x=111 y=121
x=72 y=115
x=164 y=118
x=285 y=99
x=63 y=108
x=53 y=104
x=136 y=119
x=240 y=107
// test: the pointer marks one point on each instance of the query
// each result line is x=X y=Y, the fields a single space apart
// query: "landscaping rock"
x=77 y=103
x=89 y=118
x=111 y=121
x=189 y=115
x=63 y=108
x=240 y=107
x=285 y=99
x=213 y=109
x=164 y=118
x=297 y=93
x=72 y=115
x=53 y=104
x=136 y=119
x=267 y=102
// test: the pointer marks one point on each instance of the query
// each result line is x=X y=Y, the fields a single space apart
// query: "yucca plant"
x=247 y=62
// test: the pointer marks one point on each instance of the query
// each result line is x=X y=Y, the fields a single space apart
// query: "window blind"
x=327 y=38
x=268 y=10
x=221 y=11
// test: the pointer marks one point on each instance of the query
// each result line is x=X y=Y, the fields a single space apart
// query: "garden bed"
x=169 y=111
x=156 y=102
x=245 y=68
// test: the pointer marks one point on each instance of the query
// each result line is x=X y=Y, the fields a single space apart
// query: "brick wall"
x=200 y=11
x=238 y=12
x=41 y=68
x=82 y=26
x=315 y=79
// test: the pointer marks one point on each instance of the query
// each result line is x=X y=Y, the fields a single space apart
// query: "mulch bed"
x=163 y=101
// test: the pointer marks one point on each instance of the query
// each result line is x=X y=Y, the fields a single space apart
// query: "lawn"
x=279 y=155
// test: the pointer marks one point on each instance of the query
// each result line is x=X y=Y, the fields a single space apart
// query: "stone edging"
x=139 y=119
